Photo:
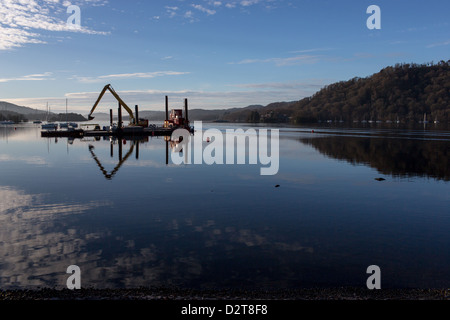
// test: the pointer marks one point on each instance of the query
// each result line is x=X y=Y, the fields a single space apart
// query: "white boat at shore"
x=67 y=125
x=7 y=122
x=50 y=126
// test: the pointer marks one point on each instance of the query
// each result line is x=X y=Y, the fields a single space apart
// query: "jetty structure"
x=137 y=127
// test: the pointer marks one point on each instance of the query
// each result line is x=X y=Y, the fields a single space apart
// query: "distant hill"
x=406 y=92
x=194 y=114
x=61 y=117
x=12 y=116
x=6 y=106
x=222 y=114
x=10 y=111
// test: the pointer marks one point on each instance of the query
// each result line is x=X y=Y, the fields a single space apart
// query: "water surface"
x=128 y=219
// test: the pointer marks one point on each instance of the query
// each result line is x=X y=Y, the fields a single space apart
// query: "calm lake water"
x=128 y=219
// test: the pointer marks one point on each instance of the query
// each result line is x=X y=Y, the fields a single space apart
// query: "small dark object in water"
x=277 y=186
x=380 y=179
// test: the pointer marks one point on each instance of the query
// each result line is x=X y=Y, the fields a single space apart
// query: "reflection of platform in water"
x=110 y=175
x=122 y=159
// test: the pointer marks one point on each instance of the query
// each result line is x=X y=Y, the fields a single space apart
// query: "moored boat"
x=50 y=126
x=7 y=122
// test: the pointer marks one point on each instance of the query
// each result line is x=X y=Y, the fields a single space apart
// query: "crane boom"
x=114 y=93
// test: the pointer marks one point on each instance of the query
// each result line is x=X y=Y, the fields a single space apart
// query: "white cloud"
x=12 y=38
x=234 y=3
x=172 y=11
x=31 y=77
x=310 y=85
x=246 y=3
x=203 y=9
x=144 y=75
x=439 y=44
x=311 y=50
x=22 y=20
x=279 y=62
x=212 y=7
x=190 y=16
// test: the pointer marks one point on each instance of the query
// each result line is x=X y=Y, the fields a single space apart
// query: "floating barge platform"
x=139 y=128
x=126 y=131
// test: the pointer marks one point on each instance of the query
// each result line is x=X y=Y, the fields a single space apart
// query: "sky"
x=218 y=54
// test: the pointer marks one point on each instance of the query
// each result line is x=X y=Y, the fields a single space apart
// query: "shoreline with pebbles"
x=168 y=294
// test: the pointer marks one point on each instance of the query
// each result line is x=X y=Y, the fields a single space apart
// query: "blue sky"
x=218 y=54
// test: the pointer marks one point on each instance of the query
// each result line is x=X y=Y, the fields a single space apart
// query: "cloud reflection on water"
x=35 y=241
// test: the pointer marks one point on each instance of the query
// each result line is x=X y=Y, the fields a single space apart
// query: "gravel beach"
x=168 y=294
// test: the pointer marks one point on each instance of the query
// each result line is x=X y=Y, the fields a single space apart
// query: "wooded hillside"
x=405 y=92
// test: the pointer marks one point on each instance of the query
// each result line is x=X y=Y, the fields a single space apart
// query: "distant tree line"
x=67 y=117
x=12 y=116
x=62 y=117
x=404 y=92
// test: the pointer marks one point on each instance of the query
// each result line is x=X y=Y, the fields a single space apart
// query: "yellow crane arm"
x=122 y=103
